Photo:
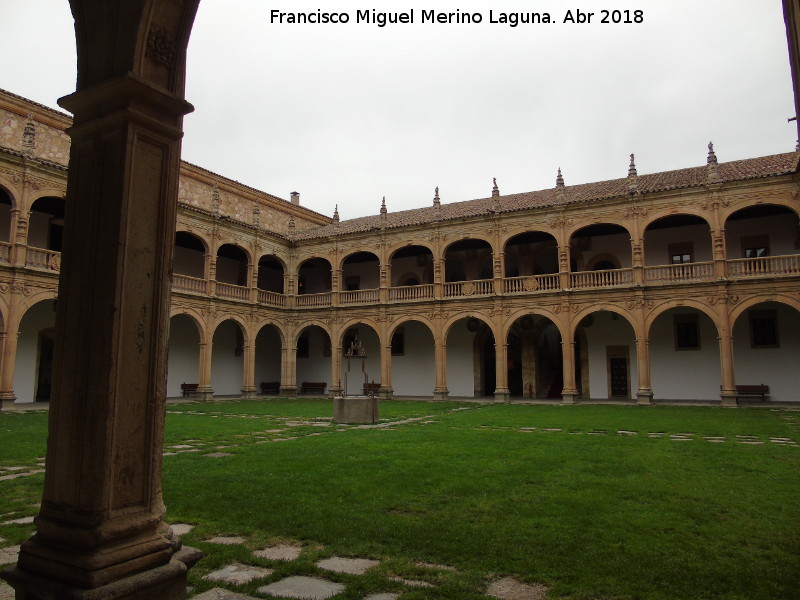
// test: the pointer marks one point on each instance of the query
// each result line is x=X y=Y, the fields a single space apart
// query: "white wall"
x=228 y=270
x=657 y=241
x=38 y=317
x=39 y=229
x=604 y=332
x=684 y=374
x=414 y=373
x=460 y=364
x=317 y=279
x=367 y=272
x=227 y=369
x=406 y=265
x=618 y=245
x=184 y=354
x=316 y=367
x=775 y=367
x=268 y=356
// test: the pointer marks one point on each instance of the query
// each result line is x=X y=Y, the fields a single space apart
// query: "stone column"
x=438 y=278
x=720 y=254
x=288 y=371
x=207 y=272
x=7 y=395
x=645 y=393
x=637 y=256
x=99 y=532
x=204 y=389
x=728 y=388
x=440 y=392
x=385 y=282
x=501 y=391
x=570 y=392
x=335 y=387
x=212 y=276
x=564 y=266
x=248 y=383
x=386 y=391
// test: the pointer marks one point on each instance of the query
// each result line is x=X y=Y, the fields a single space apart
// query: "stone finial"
x=713 y=171
x=632 y=168
x=495 y=189
x=336 y=214
x=256 y=214
x=291 y=224
x=559 y=179
x=436 y=202
x=295 y=198
x=712 y=158
x=633 y=177
x=383 y=206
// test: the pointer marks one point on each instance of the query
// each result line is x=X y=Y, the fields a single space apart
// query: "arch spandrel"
x=260 y=325
x=789 y=203
x=215 y=324
x=201 y=238
x=527 y=228
x=400 y=321
x=626 y=314
x=248 y=255
x=452 y=320
x=371 y=323
x=394 y=248
x=195 y=316
x=312 y=323
x=14 y=191
x=353 y=251
x=694 y=211
x=606 y=220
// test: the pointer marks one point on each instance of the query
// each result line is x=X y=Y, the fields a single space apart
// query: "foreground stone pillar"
x=99 y=533
x=644 y=395
x=501 y=392
x=9 y=345
x=288 y=371
x=440 y=392
x=570 y=392
x=248 y=387
x=204 y=389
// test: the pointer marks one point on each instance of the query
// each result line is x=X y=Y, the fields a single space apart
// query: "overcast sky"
x=347 y=114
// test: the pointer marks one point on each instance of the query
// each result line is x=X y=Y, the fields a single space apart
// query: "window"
x=687 y=332
x=763 y=329
x=681 y=253
x=755 y=246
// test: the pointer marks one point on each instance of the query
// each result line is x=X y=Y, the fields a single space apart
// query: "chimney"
x=296 y=198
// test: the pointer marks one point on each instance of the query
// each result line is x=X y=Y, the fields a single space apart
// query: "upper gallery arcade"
x=603 y=290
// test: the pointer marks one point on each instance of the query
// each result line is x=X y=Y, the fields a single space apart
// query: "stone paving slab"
x=383 y=596
x=226 y=540
x=216 y=594
x=509 y=588
x=22 y=521
x=352 y=566
x=304 y=588
x=218 y=454
x=434 y=566
x=238 y=574
x=181 y=528
x=285 y=552
x=6 y=591
x=412 y=582
x=8 y=556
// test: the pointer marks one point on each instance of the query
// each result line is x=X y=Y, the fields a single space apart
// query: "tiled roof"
x=739 y=170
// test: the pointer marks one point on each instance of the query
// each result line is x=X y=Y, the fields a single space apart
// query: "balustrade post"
x=720 y=254
x=637 y=254
x=212 y=277
x=438 y=278
x=564 y=267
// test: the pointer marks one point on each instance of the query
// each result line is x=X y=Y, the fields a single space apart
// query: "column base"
x=166 y=582
x=205 y=394
x=334 y=391
x=6 y=403
x=386 y=393
x=569 y=397
x=502 y=395
x=441 y=394
x=249 y=393
x=287 y=391
x=644 y=397
x=729 y=398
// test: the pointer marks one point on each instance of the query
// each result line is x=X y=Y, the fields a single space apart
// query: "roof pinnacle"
x=436 y=202
x=712 y=158
x=559 y=179
x=712 y=170
x=383 y=206
x=633 y=176
x=336 y=214
x=495 y=189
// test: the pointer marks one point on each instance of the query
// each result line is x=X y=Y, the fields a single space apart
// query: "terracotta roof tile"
x=740 y=170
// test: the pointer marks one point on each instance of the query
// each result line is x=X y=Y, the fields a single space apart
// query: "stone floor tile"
x=285 y=552
x=6 y=591
x=304 y=588
x=238 y=574
x=181 y=528
x=227 y=540
x=352 y=566
x=434 y=566
x=411 y=582
x=218 y=594
x=8 y=556
x=22 y=521
x=383 y=596
x=509 y=588
x=218 y=454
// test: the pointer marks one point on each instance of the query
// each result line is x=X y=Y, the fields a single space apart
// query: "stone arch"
x=233 y=263
x=190 y=252
x=269 y=341
x=361 y=270
x=231 y=317
x=694 y=211
x=471 y=341
x=11 y=190
x=610 y=236
x=746 y=303
x=759 y=230
x=394 y=249
x=534 y=354
x=411 y=262
x=748 y=202
x=31 y=297
x=660 y=309
x=46 y=218
x=279 y=327
x=535 y=252
x=194 y=315
x=7 y=204
x=313 y=323
x=229 y=336
x=272 y=272
x=314 y=354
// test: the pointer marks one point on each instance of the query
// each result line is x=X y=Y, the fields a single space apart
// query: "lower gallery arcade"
x=672 y=286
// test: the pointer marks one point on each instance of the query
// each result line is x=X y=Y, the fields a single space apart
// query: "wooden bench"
x=371 y=389
x=752 y=391
x=189 y=389
x=313 y=387
x=270 y=387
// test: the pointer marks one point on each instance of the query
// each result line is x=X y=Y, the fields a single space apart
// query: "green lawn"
x=608 y=507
